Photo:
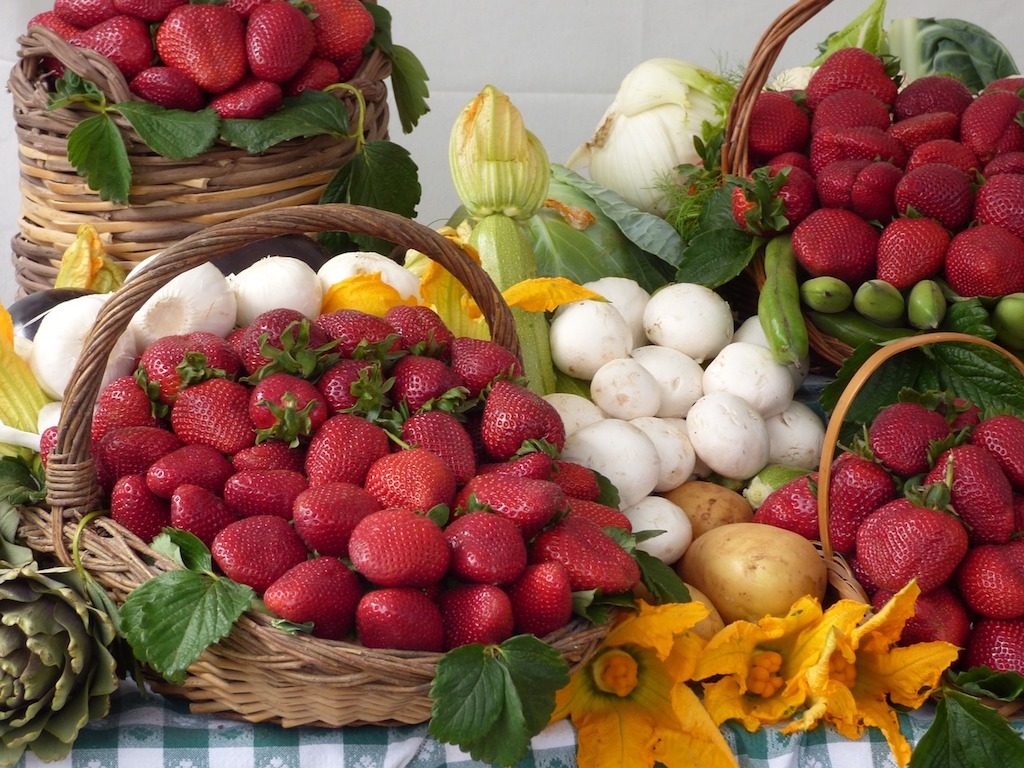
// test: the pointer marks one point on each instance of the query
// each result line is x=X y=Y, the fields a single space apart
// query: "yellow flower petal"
x=686 y=651
x=697 y=742
x=618 y=740
x=882 y=716
x=656 y=626
x=724 y=701
x=814 y=641
x=545 y=294
x=893 y=616
x=81 y=260
x=366 y=292
x=907 y=674
x=6 y=328
x=445 y=295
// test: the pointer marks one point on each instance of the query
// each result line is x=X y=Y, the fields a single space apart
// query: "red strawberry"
x=592 y=559
x=206 y=42
x=985 y=260
x=325 y=516
x=1003 y=437
x=1000 y=201
x=148 y=10
x=530 y=504
x=991 y=580
x=777 y=125
x=932 y=93
x=871 y=196
x=348 y=66
x=576 y=480
x=541 y=599
x=279 y=39
x=315 y=75
x=343 y=450
x=352 y=328
x=343 y=28
x=915 y=131
x=836 y=242
x=476 y=613
x=322 y=591
x=863 y=143
x=1011 y=83
x=273 y=454
x=600 y=514
x=357 y=386
x=47 y=442
x=257 y=550
x=286 y=407
x=862 y=577
x=421 y=382
x=173 y=362
x=130 y=450
x=793 y=506
x=250 y=99
x=997 y=644
x=399 y=548
x=168 y=87
x=84 y=13
x=404 y=619
x=535 y=464
x=991 y=124
x=138 y=509
x=938 y=191
x=761 y=206
x=200 y=512
x=1007 y=162
x=900 y=541
x=834 y=182
x=478 y=362
x=244 y=7
x=443 y=434
x=857 y=488
x=901 y=434
x=53 y=22
x=910 y=250
x=264 y=492
x=283 y=336
x=123 y=39
x=792 y=159
x=215 y=413
x=485 y=548
x=416 y=479
x=851 y=108
x=121 y=403
x=512 y=415
x=851 y=68
x=944 y=151
x=938 y=615
x=194 y=464
x=979 y=492
x=421 y=330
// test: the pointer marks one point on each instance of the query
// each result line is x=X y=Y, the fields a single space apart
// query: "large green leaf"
x=174 y=133
x=97 y=151
x=311 y=113
x=408 y=76
x=967 y=734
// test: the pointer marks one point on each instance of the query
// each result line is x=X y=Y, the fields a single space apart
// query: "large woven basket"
x=258 y=672
x=735 y=154
x=169 y=199
x=840 y=574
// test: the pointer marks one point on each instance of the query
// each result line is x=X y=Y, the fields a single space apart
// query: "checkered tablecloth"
x=156 y=732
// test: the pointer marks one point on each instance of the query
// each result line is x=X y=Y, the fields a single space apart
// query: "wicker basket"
x=840 y=574
x=170 y=199
x=257 y=673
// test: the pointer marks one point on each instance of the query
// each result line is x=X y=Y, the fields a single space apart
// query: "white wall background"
x=560 y=61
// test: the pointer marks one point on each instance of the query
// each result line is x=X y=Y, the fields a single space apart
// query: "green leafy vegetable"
x=866 y=31
x=172 y=618
x=12 y=554
x=967 y=734
x=491 y=700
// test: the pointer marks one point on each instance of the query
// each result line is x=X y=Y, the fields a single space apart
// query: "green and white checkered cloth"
x=157 y=732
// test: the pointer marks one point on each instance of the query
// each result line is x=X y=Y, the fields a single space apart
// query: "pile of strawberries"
x=365 y=474
x=240 y=57
x=935 y=494
x=896 y=184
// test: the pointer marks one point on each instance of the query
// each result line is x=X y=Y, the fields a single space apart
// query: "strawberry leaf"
x=965 y=732
x=174 y=133
x=984 y=681
x=408 y=77
x=716 y=256
x=20 y=482
x=184 y=548
x=311 y=113
x=491 y=700
x=663 y=583
x=97 y=151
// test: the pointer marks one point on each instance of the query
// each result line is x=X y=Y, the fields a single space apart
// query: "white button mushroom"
x=587 y=334
x=749 y=371
x=627 y=296
x=624 y=389
x=656 y=513
x=728 y=435
x=576 y=411
x=796 y=436
x=689 y=317
x=675 y=452
x=621 y=453
x=679 y=377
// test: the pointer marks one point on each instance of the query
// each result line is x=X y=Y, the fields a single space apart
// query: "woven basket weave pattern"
x=170 y=199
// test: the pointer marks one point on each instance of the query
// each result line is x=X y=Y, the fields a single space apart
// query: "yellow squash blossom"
x=85 y=264
x=366 y=292
x=21 y=397
x=760 y=666
x=631 y=705
x=862 y=672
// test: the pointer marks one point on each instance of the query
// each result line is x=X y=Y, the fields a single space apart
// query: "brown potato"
x=709 y=505
x=749 y=570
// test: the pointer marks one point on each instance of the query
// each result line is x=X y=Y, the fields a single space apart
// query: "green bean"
x=778 y=305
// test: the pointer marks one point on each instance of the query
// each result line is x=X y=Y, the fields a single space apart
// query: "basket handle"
x=735 y=158
x=41 y=41
x=857 y=381
x=70 y=475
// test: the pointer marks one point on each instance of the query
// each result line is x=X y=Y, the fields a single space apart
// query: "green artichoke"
x=57 y=671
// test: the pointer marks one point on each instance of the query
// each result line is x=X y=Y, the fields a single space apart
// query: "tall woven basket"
x=735 y=154
x=169 y=199
x=258 y=672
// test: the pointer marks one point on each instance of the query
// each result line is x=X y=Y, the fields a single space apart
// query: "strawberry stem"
x=358 y=135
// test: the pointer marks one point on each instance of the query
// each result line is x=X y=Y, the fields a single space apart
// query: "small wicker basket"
x=258 y=672
x=840 y=574
x=170 y=199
